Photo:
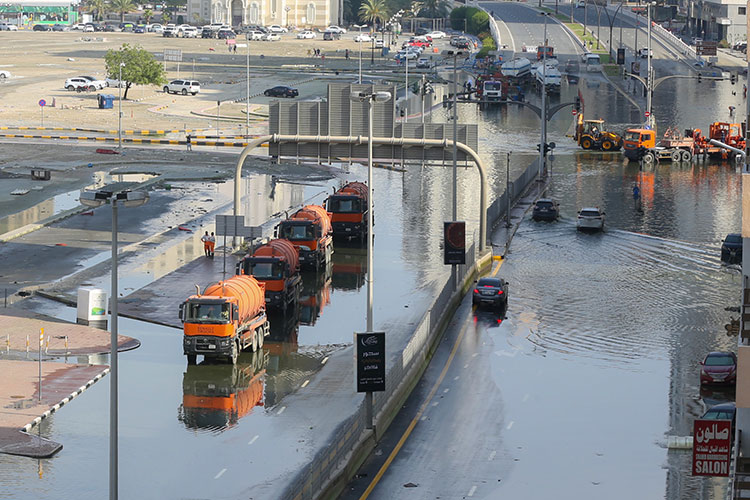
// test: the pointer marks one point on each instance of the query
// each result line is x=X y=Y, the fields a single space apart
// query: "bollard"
x=46 y=347
x=66 y=344
x=27 y=346
x=7 y=343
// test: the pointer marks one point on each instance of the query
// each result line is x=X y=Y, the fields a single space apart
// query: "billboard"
x=712 y=446
x=454 y=243
x=370 y=361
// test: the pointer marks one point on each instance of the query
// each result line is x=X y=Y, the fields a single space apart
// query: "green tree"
x=148 y=14
x=139 y=67
x=165 y=17
x=433 y=8
x=374 y=11
x=122 y=7
x=97 y=9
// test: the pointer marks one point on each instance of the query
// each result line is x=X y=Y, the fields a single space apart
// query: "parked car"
x=60 y=27
x=169 y=31
x=590 y=218
x=406 y=55
x=331 y=35
x=731 y=248
x=580 y=4
x=115 y=83
x=109 y=28
x=281 y=91
x=546 y=209
x=306 y=35
x=42 y=27
x=141 y=28
x=644 y=52
x=256 y=35
x=78 y=27
x=719 y=368
x=207 y=33
x=154 y=28
x=84 y=83
x=492 y=291
x=723 y=411
x=8 y=27
x=183 y=87
x=88 y=28
x=4 y=74
x=379 y=44
x=436 y=34
x=336 y=29
x=363 y=37
x=271 y=37
x=423 y=62
x=421 y=31
x=225 y=33
x=190 y=32
x=275 y=28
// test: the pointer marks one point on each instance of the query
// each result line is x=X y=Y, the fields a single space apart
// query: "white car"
x=580 y=4
x=271 y=37
x=363 y=37
x=155 y=28
x=379 y=44
x=307 y=34
x=84 y=83
x=89 y=28
x=114 y=82
x=183 y=87
x=590 y=218
x=4 y=74
x=644 y=53
x=218 y=26
x=336 y=29
x=190 y=32
x=436 y=34
x=408 y=55
x=256 y=35
x=275 y=28
x=8 y=27
x=423 y=62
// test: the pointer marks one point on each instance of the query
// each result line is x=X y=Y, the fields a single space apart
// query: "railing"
x=498 y=210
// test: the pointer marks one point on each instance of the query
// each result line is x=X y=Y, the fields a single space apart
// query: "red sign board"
x=647 y=114
x=712 y=445
x=575 y=112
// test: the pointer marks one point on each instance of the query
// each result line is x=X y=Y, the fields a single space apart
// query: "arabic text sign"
x=712 y=445
x=370 y=361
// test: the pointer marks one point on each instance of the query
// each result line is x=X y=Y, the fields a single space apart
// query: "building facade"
x=718 y=19
x=287 y=13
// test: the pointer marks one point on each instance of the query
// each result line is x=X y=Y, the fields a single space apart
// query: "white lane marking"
x=254 y=439
x=221 y=473
x=435 y=403
x=525 y=398
x=466 y=365
x=475 y=355
x=510 y=354
x=281 y=410
x=446 y=390
x=424 y=417
x=492 y=456
x=510 y=425
x=456 y=377
x=304 y=384
x=324 y=360
x=471 y=491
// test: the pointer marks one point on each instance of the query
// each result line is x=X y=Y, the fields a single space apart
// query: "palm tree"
x=97 y=8
x=433 y=8
x=374 y=11
x=122 y=7
x=148 y=14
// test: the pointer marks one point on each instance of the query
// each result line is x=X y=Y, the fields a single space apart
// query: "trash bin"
x=106 y=101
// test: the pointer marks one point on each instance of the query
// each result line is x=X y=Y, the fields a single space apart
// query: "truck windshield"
x=266 y=270
x=492 y=86
x=208 y=313
x=296 y=232
x=344 y=205
x=633 y=136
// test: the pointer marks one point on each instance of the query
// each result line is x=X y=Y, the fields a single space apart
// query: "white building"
x=299 y=13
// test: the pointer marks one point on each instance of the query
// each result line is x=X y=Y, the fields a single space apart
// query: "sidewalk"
x=502 y=235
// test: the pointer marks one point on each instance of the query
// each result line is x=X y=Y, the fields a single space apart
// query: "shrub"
x=724 y=44
x=488 y=44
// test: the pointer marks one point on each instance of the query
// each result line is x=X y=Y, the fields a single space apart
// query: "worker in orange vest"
x=206 y=244
x=211 y=243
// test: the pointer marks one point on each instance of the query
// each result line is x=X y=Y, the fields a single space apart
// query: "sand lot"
x=41 y=61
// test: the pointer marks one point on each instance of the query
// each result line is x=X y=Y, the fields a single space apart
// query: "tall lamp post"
x=649 y=118
x=371 y=98
x=247 y=85
x=128 y=199
x=359 y=42
x=543 y=140
x=119 y=107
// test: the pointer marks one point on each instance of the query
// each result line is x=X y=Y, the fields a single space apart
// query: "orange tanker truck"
x=309 y=229
x=276 y=264
x=228 y=317
x=348 y=209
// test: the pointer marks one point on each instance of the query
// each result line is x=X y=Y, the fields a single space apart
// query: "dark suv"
x=330 y=35
x=546 y=209
x=731 y=249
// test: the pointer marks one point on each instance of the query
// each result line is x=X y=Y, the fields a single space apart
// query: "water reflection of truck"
x=227 y=318
x=315 y=296
x=348 y=209
x=309 y=229
x=349 y=268
x=217 y=396
x=275 y=264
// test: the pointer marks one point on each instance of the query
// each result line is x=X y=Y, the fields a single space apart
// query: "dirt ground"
x=40 y=62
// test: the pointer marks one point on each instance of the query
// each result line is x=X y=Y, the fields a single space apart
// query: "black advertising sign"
x=370 y=359
x=620 y=56
x=454 y=243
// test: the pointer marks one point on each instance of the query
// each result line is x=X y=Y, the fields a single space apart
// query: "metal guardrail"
x=498 y=210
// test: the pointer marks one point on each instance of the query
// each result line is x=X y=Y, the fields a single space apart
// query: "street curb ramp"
x=415 y=357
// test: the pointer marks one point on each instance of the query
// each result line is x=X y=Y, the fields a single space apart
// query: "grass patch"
x=612 y=70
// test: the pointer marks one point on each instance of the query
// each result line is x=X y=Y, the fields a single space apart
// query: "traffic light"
x=537 y=147
x=699 y=77
x=733 y=78
x=578 y=104
x=445 y=101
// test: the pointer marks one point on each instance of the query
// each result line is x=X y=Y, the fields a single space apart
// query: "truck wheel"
x=235 y=353
x=261 y=334
x=676 y=155
x=255 y=340
x=586 y=143
x=191 y=359
x=687 y=156
x=648 y=158
x=606 y=145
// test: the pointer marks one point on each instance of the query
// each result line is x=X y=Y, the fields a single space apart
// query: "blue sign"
x=42 y=102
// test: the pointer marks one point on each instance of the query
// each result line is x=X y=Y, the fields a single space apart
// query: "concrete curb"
x=70 y=397
x=125 y=132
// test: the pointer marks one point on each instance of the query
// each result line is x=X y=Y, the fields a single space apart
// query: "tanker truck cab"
x=348 y=209
x=636 y=140
x=276 y=264
x=228 y=318
x=309 y=229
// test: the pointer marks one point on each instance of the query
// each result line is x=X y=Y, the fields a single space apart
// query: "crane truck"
x=227 y=318
x=348 y=209
x=275 y=264
x=309 y=229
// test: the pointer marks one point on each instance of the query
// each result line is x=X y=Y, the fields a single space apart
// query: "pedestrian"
x=235 y=48
x=229 y=48
x=744 y=91
x=206 y=244
x=212 y=243
x=346 y=54
x=636 y=192
x=188 y=142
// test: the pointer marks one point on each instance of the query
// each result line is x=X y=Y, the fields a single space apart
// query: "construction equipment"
x=591 y=134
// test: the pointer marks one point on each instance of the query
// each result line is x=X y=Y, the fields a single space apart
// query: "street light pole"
x=406 y=89
x=247 y=86
x=119 y=108
x=543 y=140
x=648 y=66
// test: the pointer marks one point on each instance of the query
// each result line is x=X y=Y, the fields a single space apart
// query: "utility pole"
x=543 y=140
x=454 y=270
x=247 y=85
x=649 y=119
